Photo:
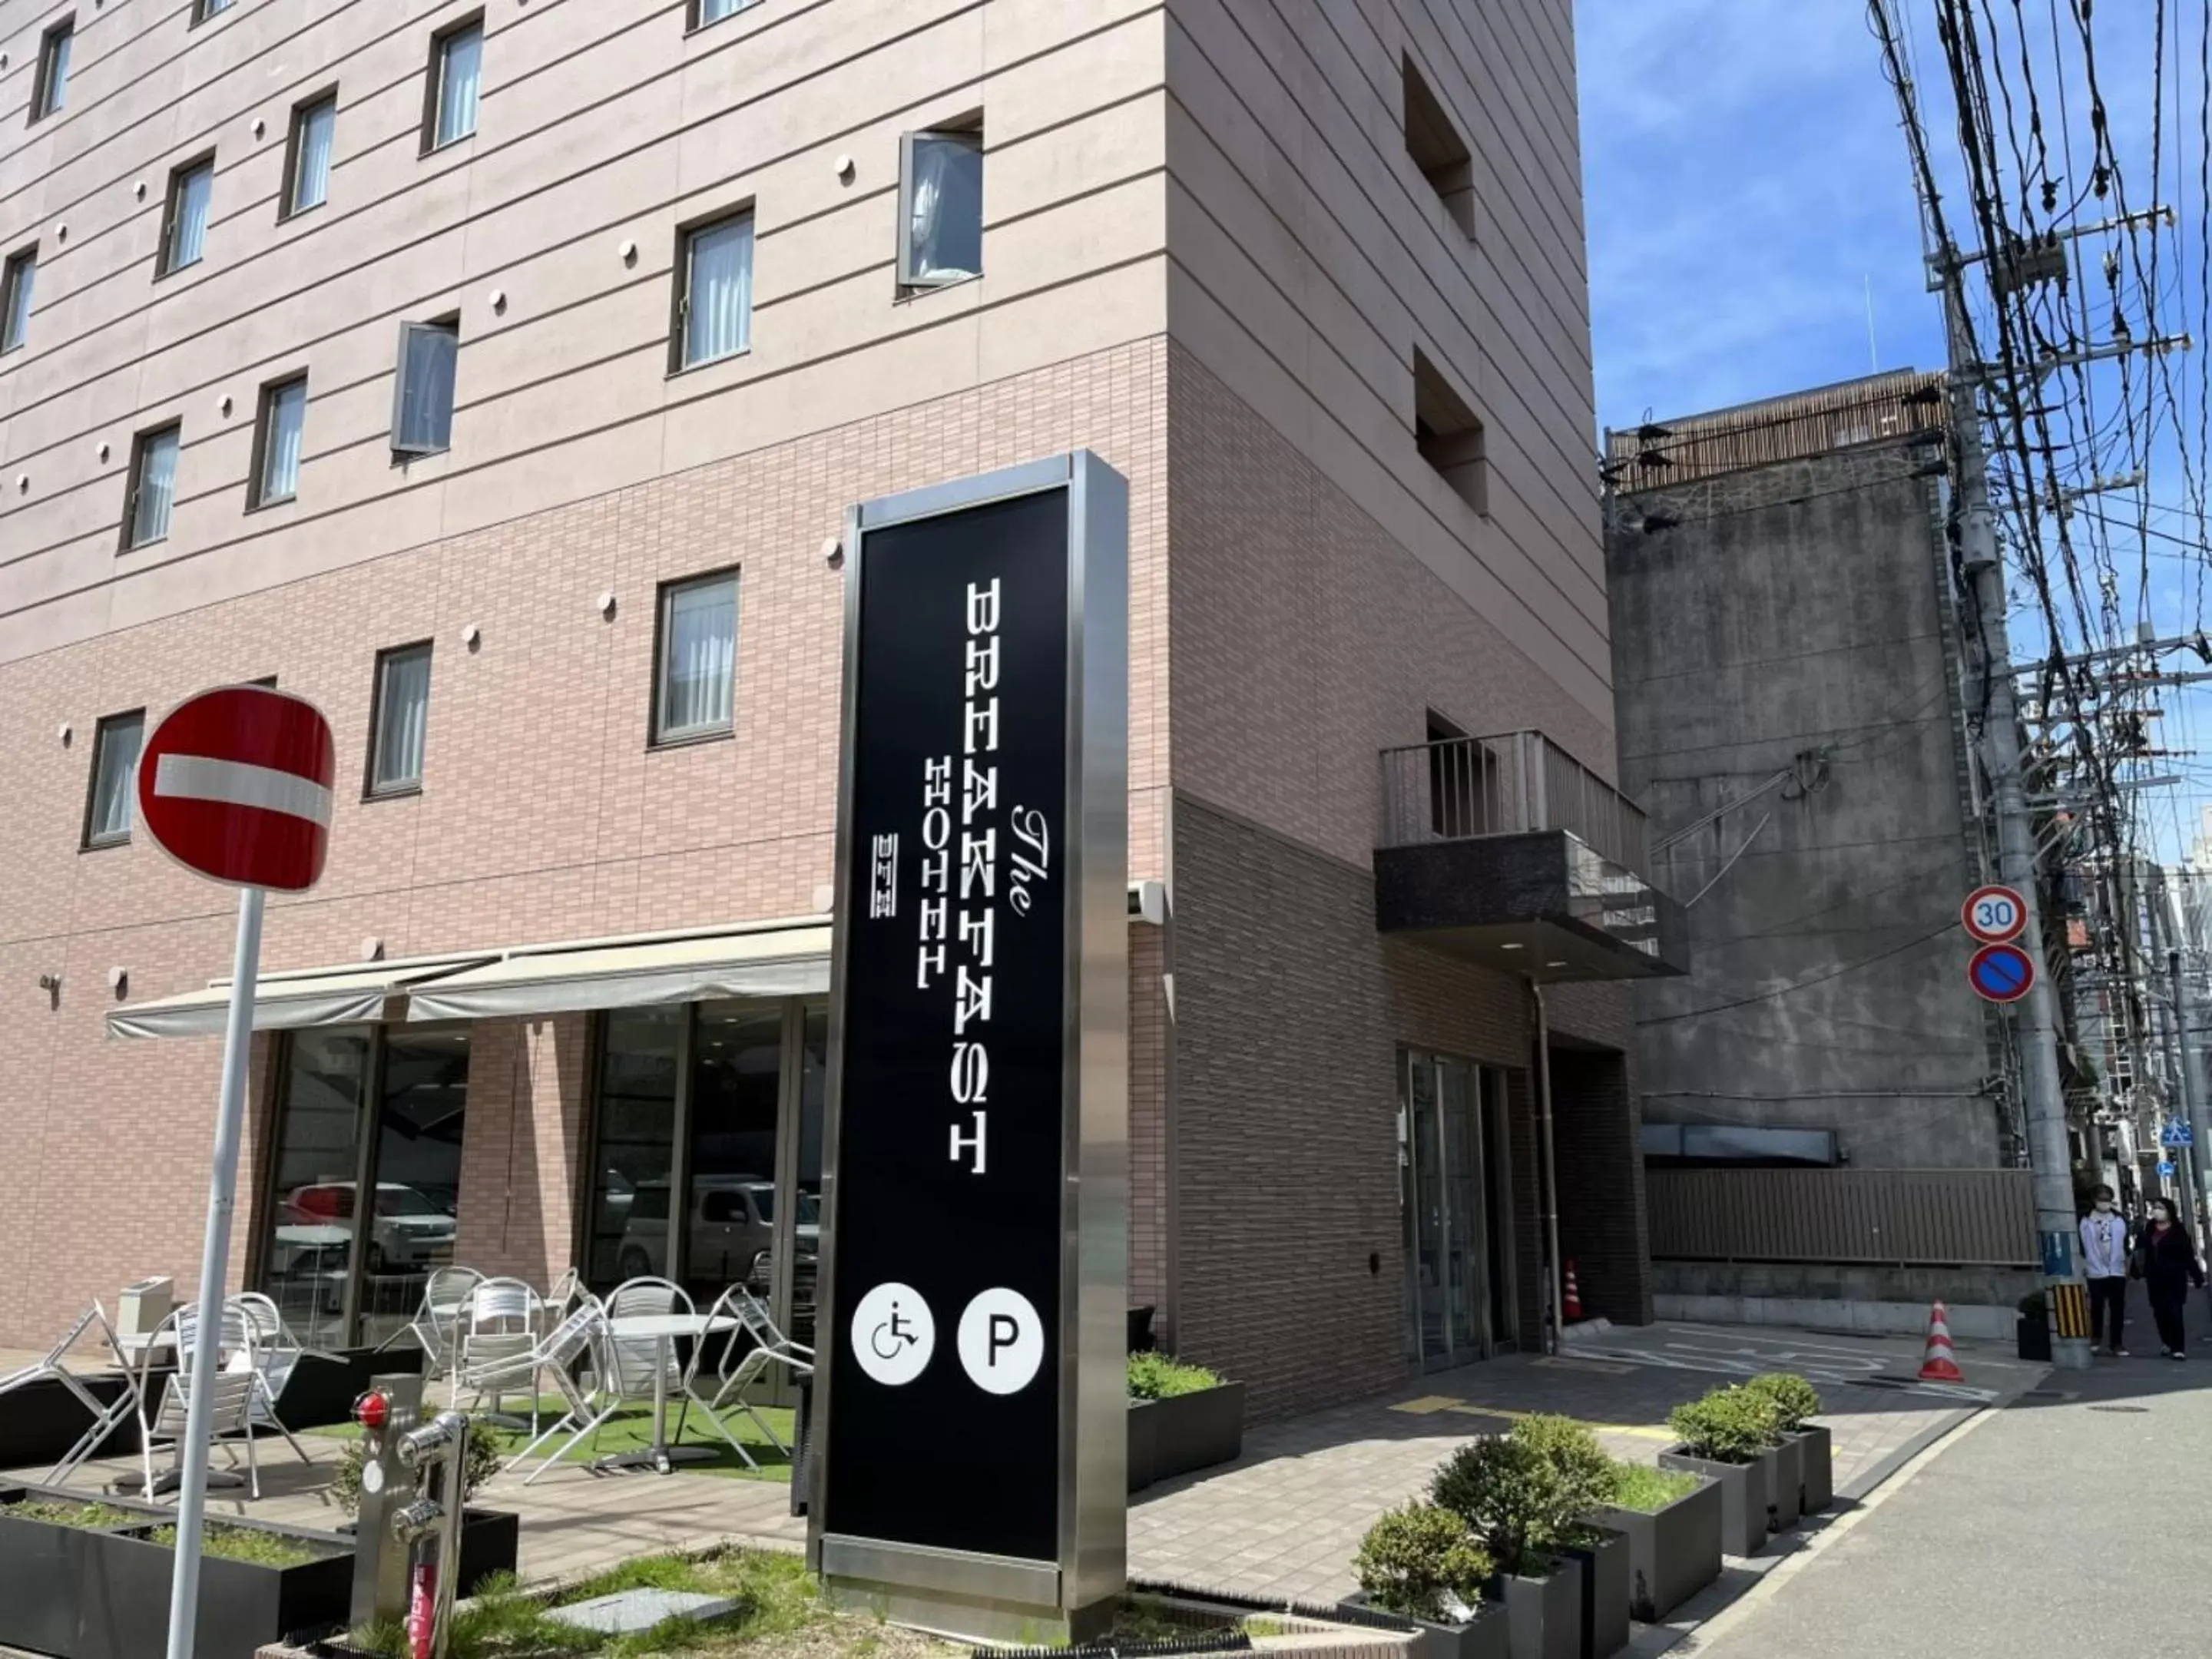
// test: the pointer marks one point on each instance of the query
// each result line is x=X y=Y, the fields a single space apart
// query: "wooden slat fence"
x=1906 y=1217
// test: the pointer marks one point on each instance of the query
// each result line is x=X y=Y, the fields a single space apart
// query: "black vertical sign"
x=945 y=1377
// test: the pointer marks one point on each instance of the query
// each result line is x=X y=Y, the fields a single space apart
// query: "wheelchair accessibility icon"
x=893 y=1334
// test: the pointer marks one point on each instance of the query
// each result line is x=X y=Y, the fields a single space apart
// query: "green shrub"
x=1795 y=1399
x=1641 y=1487
x=481 y=1463
x=2033 y=1306
x=1421 y=1562
x=1728 y=1425
x=1585 y=1472
x=1513 y=1496
x=1157 y=1377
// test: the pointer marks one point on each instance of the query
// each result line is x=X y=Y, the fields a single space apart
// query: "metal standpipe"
x=386 y=1413
x=430 y=1529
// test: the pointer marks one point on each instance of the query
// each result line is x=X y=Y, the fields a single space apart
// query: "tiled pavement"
x=1283 y=1521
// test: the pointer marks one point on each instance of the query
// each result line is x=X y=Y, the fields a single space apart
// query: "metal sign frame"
x=961 y=1592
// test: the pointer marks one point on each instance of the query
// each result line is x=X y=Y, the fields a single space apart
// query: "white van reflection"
x=732 y=1225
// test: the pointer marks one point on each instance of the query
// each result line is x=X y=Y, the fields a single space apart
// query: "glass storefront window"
x=736 y=1075
x=306 y=1254
x=637 y=1144
x=423 y=1109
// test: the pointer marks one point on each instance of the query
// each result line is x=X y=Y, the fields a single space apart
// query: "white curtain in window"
x=402 y=720
x=462 y=56
x=188 y=235
x=281 y=444
x=116 y=785
x=713 y=11
x=946 y=235
x=719 y=318
x=17 y=326
x=157 y=488
x=311 y=185
x=699 y=657
x=426 y=389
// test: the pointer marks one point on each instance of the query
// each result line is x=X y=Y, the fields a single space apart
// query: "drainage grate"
x=2136 y=1411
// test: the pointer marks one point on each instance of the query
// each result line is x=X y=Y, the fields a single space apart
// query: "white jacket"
x=2103 y=1245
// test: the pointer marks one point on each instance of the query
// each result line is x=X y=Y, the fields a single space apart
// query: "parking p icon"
x=1001 y=1341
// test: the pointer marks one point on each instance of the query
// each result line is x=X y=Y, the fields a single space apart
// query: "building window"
x=940 y=207
x=207 y=9
x=422 y=401
x=152 y=485
x=308 y=156
x=22 y=272
x=456 y=67
x=50 y=89
x=183 y=233
x=714 y=304
x=109 y=806
x=704 y=12
x=1450 y=435
x=276 y=441
x=401 y=724
x=694 y=681
x=1438 y=150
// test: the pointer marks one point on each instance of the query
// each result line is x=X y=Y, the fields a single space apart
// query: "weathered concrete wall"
x=1794 y=617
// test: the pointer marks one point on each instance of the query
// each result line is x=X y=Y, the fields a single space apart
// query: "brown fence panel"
x=1978 y=1218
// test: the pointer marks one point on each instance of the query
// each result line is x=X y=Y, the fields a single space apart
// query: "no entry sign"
x=235 y=784
x=2001 y=973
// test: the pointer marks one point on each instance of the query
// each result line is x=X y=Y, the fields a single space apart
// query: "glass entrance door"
x=1453 y=1205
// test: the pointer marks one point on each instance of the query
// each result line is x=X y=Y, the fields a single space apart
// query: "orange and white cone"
x=1571 y=1300
x=1939 y=1365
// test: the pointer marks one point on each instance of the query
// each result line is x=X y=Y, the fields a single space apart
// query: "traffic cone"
x=1571 y=1300
x=1939 y=1365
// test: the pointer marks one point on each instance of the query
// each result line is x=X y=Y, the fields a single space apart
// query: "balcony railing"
x=1459 y=788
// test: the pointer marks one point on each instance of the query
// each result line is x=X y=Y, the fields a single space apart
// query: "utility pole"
x=2042 y=1100
x=2192 y=1088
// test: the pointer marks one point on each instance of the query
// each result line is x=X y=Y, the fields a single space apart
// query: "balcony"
x=1508 y=852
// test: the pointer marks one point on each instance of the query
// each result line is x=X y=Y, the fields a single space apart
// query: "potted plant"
x=490 y=1539
x=1672 y=1520
x=1521 y=1507
x=1182 y=1417
x=1586 y=1475
x=1795 y=1402
x=2031 y=1331
x=1422 y=1564
x=1730 y=1436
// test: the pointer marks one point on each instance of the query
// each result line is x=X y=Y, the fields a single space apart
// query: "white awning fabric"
x=780 y=962
x=354 y=994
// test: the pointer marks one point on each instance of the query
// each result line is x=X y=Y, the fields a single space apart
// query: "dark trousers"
x=2172 y=1334
x=2108 y=1310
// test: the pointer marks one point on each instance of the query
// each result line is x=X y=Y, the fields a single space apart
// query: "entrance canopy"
x=786 y=960
x=353 y=993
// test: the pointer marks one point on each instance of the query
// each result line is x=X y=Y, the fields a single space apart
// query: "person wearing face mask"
x=2165 y=1256
x=2104 y=1265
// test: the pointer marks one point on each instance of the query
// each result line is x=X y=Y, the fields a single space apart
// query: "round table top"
x=671 y=1324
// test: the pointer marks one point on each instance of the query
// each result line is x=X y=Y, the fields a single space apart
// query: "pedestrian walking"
x=2166 y=1259
x=2104 y=1265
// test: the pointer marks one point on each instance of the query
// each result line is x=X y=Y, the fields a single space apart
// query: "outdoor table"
x=663 y=1329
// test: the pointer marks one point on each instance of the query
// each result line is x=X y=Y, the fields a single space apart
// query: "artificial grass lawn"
x=631 y=1430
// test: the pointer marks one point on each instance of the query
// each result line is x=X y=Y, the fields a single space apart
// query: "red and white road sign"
x=1994 y=915
x=236 y=784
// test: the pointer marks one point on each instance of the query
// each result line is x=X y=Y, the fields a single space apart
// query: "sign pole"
x=215 y=1260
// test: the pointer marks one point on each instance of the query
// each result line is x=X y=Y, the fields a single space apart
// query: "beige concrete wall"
x=603 y=122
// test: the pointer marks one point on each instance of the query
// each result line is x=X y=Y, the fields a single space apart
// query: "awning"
x=354 y=994
x=776 y=962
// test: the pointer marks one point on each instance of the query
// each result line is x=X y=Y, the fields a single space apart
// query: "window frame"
x=664 y=598
x=206 y=11
x=177 y=176
x=449 y=325
x=434 y=90
x=967 y=128
x=696 y=16
x=12 y=271
x=1435 y=145
x=372 y=789
x=289 y=206
x=679 y=330
x=87 y=840
x=257 y=482
x=140 y=443
x=46 y=100
x=1451 y=438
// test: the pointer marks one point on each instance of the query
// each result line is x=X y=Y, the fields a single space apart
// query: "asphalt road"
x=2059 y=1527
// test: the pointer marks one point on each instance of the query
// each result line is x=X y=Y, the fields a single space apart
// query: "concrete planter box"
x=1786 y=1480
x=79 y=1593
x=1816 y=1454
x=1673 y=1553
x=1743 y=1498
x=1605 y=1594
x=1483 y=1637
x=1543 y=1616
x=490 y=1542
x=2032 y=1338
x=1169 y=1437
x=320 y=1393
x=41 y=1420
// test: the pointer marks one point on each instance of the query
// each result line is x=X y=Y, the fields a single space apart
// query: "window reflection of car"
x=732 y=1231
x=409 y=1230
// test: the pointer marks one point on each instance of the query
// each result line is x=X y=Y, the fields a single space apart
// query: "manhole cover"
x=2133 y=1411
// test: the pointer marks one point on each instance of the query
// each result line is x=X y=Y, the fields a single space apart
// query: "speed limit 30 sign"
x=1994 y=915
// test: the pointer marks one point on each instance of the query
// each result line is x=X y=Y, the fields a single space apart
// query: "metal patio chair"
x=632 y=1362
x=577 y=1343
x=504 y=1320
x=237 y=1387
x=276 y=1353
x=436 y=1324
x=107 y=1418
x=738 y=1372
